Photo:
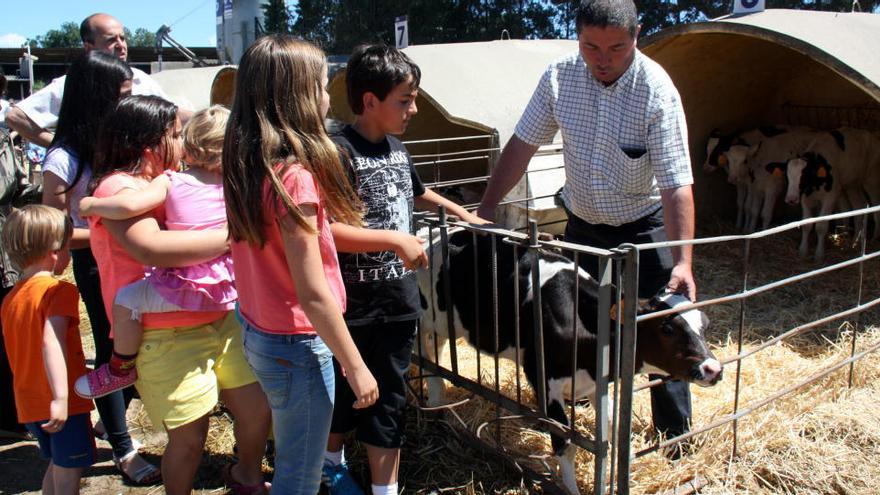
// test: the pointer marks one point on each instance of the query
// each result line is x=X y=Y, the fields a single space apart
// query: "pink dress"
x=208 y=286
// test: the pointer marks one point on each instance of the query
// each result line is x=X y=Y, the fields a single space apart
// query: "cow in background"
x=767 y=180
x=672 y=345
x=844 y=163
x=721 y=149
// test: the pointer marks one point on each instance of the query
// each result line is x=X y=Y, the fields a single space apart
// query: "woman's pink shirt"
x=117 y=268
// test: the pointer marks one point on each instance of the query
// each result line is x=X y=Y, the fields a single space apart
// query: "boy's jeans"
x=296 y=373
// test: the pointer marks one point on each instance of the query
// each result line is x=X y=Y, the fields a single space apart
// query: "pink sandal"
x=100 y=382
x=239 y=489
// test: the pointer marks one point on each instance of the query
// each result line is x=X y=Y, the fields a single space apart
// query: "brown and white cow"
x=671 y=345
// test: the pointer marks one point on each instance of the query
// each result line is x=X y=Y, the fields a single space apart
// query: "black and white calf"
x=843 y=163
x=671 y=345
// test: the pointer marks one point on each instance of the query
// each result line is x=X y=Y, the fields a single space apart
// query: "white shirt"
x=4 y=106
x=64 y=164
x=43 y=106
x=621 y=143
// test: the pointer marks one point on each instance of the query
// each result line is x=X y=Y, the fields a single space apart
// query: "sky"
x=192 y=22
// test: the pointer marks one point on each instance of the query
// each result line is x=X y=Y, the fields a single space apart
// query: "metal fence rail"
x=611 y=446
x=625 y=456
x=517 y=244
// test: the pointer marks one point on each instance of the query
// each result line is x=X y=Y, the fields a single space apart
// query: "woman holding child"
x=187 y=359
x=94 y=83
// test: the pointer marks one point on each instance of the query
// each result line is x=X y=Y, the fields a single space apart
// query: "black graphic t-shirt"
x=378 y=286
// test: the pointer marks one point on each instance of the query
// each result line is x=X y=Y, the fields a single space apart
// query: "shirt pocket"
x=630 y=171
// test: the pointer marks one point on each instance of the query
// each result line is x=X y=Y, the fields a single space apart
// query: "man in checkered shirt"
x=628 y=172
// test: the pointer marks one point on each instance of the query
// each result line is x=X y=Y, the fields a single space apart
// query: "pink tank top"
x=208 y=286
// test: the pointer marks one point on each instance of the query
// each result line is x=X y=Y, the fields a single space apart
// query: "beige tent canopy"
x=819 y=69
x=195 y=89
x=470 y=99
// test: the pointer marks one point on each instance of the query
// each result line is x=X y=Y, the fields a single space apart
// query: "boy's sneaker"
x=100 y=382
x=338 y=481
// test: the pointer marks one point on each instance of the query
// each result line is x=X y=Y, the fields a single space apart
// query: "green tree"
x=340 y=25
x=315 y=20
x=276 y=17
x=67 y=36
x=140 y=37
x=655 y=15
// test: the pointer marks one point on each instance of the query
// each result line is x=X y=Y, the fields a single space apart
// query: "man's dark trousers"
x=671 y=401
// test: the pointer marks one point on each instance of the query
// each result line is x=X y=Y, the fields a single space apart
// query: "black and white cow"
x=671 y=345
x=844 y=163
x=730 y=152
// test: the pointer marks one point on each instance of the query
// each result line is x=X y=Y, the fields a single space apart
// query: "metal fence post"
x=603 y=358
x=537 y=312
x=447 y=290
x=627 y=353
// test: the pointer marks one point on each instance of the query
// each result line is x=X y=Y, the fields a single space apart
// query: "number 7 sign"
x=401 y=32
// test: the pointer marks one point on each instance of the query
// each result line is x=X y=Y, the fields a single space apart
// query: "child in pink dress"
x=193 y=201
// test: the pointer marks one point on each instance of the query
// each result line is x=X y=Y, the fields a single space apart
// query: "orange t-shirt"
x=24 y=313
x=266 y=295
x=117 y=268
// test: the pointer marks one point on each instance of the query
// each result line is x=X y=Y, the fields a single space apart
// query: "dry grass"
x=820 y=439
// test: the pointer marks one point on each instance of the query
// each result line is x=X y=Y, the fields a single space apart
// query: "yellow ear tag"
x=612 y=313
x=722 y=160
x=777 y=172
x=821 y=172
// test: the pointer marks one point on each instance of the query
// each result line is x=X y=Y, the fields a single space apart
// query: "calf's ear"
x=616 y=308
x=455 y=250
x=647 y=305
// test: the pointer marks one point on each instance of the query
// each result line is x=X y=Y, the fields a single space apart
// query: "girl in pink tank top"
x=193 y=200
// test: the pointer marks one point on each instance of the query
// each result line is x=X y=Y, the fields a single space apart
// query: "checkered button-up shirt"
x=621 y=143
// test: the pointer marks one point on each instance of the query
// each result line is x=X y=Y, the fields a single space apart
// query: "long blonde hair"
x=276 y=120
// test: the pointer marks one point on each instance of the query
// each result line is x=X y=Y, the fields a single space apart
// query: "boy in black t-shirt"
x=383 y=296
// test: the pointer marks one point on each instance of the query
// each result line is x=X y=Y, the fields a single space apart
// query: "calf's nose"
x=711 y=371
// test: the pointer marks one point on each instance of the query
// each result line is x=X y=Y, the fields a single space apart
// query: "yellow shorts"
x=182 y=370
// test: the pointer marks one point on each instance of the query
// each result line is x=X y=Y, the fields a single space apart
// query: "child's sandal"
x=147 y=474
x=240 y=489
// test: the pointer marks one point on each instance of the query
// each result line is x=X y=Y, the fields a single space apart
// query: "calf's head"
x=807 y=174
x=794 y=170
x=715 y=146
x=673 y=344
x=737 y=158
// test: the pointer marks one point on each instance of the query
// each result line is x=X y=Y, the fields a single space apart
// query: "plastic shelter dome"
x=818 y=69
x=198 y=88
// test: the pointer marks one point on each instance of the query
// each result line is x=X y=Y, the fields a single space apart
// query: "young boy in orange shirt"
x=41 y=329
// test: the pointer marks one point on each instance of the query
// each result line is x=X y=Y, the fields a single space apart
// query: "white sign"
x=401 y=32
x=219 y=12
x=748 y=6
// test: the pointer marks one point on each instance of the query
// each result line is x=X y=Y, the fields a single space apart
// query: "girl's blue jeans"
x=296 y=373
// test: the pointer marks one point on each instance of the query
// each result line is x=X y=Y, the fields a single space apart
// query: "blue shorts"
x=72 y=447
